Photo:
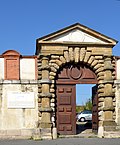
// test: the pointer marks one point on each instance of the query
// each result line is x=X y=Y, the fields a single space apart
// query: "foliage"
x=79 y=108
x=88 y=104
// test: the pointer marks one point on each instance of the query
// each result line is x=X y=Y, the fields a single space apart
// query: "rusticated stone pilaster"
x=45 y=108
x=108 y=123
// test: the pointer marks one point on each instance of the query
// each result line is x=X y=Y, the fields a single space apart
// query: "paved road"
x=63 y=141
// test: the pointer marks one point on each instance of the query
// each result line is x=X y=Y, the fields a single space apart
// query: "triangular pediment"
x=77 y=33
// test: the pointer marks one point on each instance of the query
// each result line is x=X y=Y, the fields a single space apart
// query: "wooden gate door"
x=66 y=109
x=95 y=109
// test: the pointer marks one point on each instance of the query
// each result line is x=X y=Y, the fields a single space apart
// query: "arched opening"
x=84 y=108
x=68 y=76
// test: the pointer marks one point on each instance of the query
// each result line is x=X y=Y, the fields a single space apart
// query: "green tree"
x=88 y=104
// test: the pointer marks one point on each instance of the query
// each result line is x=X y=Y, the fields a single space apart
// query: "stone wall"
x=98 y=58
x=18 y=121
x=18 y=94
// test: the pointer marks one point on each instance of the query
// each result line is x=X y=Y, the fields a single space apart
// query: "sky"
x=23 y=21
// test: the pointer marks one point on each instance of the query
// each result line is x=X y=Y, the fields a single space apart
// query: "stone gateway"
x=70 y=56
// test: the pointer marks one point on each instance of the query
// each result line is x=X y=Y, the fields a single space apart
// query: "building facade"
x=38 y=92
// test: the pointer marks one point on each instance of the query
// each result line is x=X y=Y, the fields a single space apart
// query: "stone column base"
x=36 y=134
x=54 y=133
x=100 y=132
x=109 y=125
x=46 y=133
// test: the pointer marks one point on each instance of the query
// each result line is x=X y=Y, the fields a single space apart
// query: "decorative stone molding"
x=106 y=108
x=45 y=81
x=45 y=109
x=45 y=95
x=47 y=67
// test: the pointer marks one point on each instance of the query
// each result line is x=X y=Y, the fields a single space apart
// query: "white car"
x=85 y=115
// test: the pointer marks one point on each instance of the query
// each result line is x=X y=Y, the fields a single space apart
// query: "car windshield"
x=86 y=112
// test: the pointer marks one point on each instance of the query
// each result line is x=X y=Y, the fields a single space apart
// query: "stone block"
x=55 y=65
x=46 y=133
x=52 y=49
x=7 y=81
x=76 y=54
x=100 y=132
x=53 y=69
x=54 y=57
x=52 y=74
x=13 y=132
x=36 y=134
x=27 y=132
x=25 y=81
x=71 y=54
x=3 y=132
x=54 y=133
x=107 y=75
x=15 y=81
x=66 y=55
x=62 y=59
x=82 y=53
x=108 y=90
x=33 y=82
x=98 y=66
x=95 y=62
x=91 y=59
x=46 y=125
x=87 y=55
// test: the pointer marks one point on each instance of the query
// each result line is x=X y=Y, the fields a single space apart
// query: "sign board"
x=20 y=100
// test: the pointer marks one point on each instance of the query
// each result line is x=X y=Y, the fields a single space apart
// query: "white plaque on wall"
x=20 y=100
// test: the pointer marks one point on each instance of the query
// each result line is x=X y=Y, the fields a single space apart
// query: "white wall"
x=27 y=68
x=118 y=69
x=1 y=68
x=18 y=118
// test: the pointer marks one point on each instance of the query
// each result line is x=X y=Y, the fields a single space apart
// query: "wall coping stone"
x=117 y=81
x=20 y=82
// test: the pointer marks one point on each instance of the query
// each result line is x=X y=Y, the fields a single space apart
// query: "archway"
x=68 y=76
x=94 y=51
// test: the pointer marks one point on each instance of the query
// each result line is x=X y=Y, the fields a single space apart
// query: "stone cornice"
x=81 y=44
